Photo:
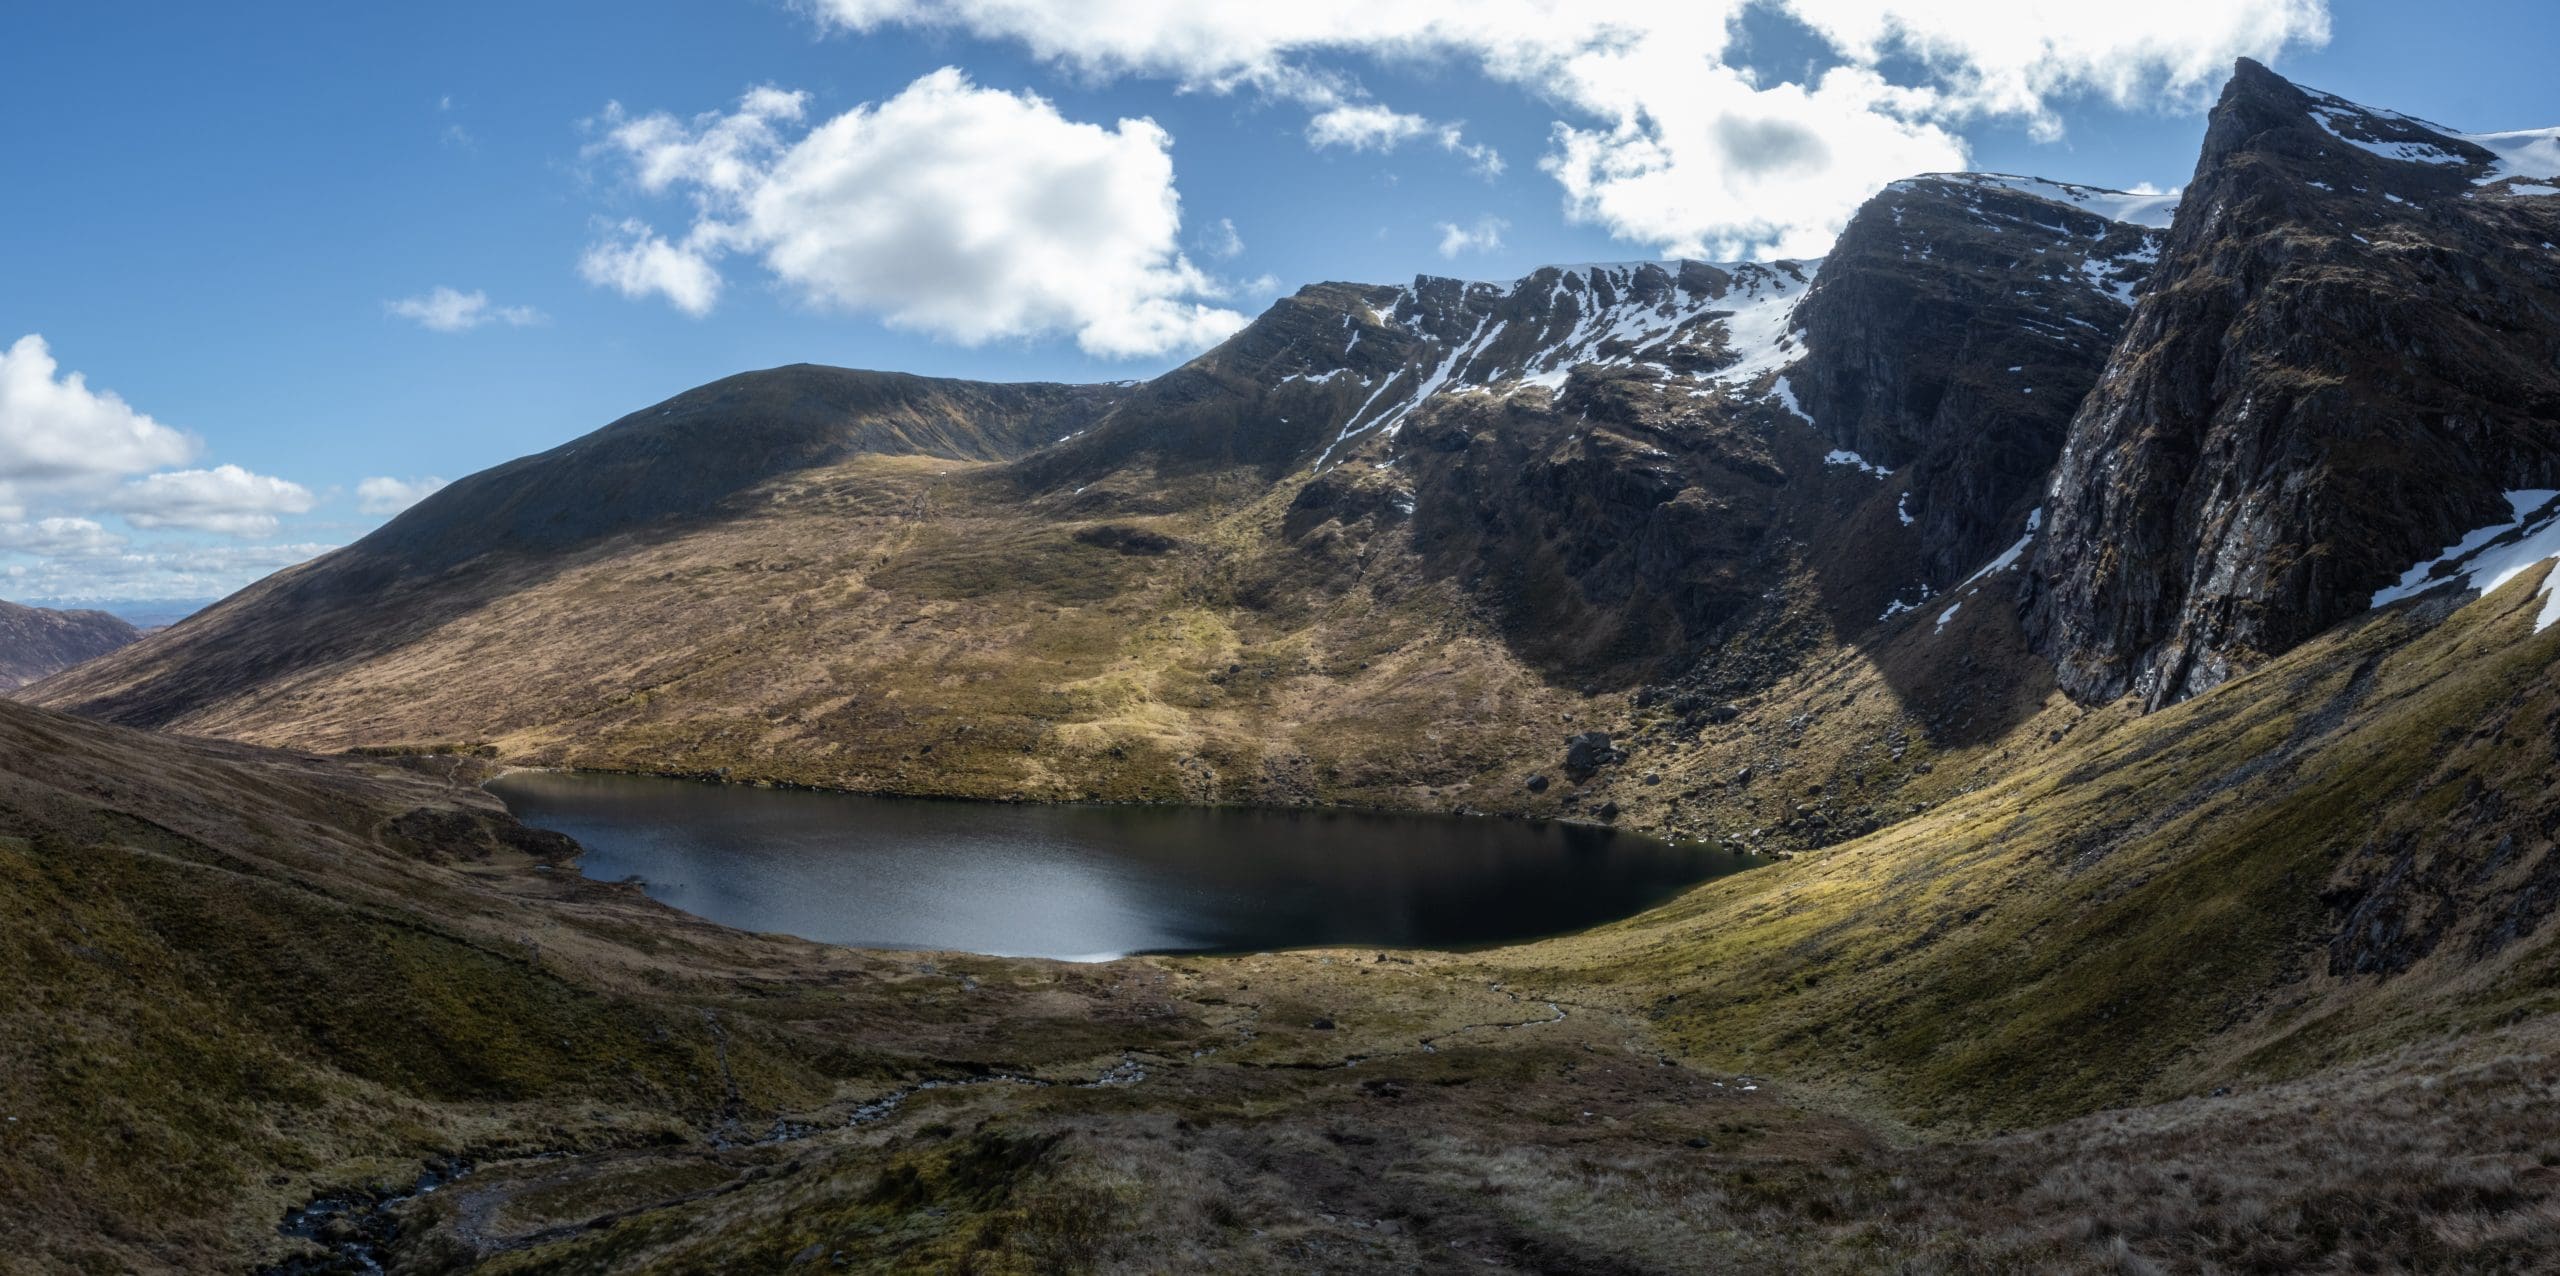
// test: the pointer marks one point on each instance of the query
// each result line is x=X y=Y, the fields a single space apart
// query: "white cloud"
x=53 y=427
x=383 y=497
x=447 y=310
x=64 y=447
x=1367 y=126
x=967 y=213
x=225 y=499
x=1669 y=142
x=638 y=263
x=1483 y=237
x=1728 y=170
x=2014 y=57
x=60 y=538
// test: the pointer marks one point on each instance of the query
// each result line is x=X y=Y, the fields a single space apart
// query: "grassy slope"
x=2138 y=906
x=253 y=977
x=898 y=624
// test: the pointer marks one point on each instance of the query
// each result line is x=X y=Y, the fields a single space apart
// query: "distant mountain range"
x=36 y=641
x=142 y=613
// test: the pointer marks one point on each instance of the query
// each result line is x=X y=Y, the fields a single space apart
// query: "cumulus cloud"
x=53 y=427
x=639 y=263
x=1365 y=127
x=968 y=213
x=384 y=497
x=1483 y=237
x=80 y=454
x=1669 y=141
x=448 y=310
x=226 y=499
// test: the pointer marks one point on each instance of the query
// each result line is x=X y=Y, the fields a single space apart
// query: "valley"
x=2114 y=627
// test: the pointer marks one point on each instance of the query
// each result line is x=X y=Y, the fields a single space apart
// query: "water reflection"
x=1097 y=881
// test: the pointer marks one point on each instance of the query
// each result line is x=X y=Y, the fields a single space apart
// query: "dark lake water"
x=1090 y=882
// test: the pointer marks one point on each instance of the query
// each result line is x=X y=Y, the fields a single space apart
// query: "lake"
x=1094 y=882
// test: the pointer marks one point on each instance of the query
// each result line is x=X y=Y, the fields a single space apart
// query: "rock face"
x=36 y=642
x=1956 y=326
x=2349 y=353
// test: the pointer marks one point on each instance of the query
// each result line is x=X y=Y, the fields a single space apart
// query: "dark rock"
x=1537 y=784
x=1586 y=753
x=1937 y=288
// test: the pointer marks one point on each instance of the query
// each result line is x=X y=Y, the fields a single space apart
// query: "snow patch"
x=2488 y=557
x=2009 y=557
x=2529 y=157
x=1842 y=456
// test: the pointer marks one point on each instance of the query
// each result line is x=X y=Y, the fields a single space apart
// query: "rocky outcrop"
x=37 y=642
x=2350 y=351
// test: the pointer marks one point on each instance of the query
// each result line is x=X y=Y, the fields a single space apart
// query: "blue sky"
x=216 y=208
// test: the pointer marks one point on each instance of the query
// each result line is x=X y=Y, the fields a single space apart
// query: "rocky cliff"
x=2348 y=356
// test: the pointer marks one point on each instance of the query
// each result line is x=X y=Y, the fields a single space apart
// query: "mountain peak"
x=2258 y=102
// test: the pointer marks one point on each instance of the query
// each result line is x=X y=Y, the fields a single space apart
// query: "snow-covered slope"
x=1724 y=329
x=2134 y=208
x=2519 y=162
x=1714 y=326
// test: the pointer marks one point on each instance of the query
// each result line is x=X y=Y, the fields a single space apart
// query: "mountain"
x=35 y=642
x=2136 y=643
x=2348 y=359
x=1388 y=544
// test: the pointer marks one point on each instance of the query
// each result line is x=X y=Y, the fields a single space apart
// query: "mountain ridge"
x=1388 y=508
x=1659 y=497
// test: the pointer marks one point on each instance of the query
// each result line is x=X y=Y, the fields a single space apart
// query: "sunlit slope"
x=2345 y=851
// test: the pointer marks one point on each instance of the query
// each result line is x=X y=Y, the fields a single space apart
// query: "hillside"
x=36 y=642
x=1388 y=545
x=2295 y=1014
